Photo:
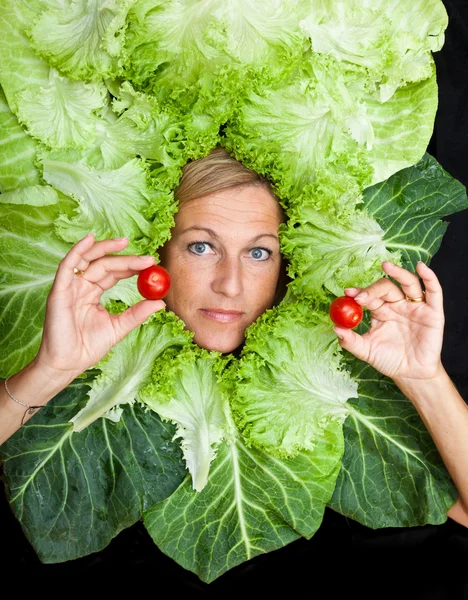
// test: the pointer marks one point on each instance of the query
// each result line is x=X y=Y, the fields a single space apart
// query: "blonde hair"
x=213 y=173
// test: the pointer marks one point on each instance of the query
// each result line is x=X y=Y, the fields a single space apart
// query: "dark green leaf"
x=253 y=504
x=74 y=492
x=392 y=474
x=409 y=207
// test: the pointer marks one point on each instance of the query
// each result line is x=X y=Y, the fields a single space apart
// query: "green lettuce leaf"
x=125 y=290
x=74 y=492
x=30 y=255
x=113 y=203
x=186 y=391
x=62 y=113
x=17 y=152
x=400 y=142
x=292 y=131
x=393 y=41
x=35 y=195
x=70 y=37
x=327 y=253
x=127 y=367
x=20 y=67
x=290 y=384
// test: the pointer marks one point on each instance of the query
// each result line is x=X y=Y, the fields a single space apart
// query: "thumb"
x=136 y=315
x=353 y=342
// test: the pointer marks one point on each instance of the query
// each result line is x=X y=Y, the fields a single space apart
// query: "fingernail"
x=146 y=257
x=338 y=334
x=361 y=296
x=89 y=235
x=351 y=289
x=119 y=239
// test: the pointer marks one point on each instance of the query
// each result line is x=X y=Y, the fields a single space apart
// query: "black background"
x=344 y=557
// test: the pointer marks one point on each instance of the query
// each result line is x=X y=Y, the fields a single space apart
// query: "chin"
x=219 y=344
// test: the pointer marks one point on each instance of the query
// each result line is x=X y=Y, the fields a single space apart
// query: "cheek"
x=262 y=288
x=187 y=284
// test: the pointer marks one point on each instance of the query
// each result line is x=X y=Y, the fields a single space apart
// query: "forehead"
x=246 y=208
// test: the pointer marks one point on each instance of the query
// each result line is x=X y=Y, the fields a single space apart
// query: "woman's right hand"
x=78 y=331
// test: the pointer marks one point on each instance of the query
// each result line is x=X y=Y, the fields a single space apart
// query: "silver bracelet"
x=31 y=409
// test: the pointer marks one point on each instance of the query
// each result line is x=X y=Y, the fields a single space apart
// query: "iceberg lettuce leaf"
x=20 y=67
x=30 y=254
x=34 y=195
x=17 y=152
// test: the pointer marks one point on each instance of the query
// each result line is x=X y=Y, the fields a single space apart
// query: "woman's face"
x=224 y=260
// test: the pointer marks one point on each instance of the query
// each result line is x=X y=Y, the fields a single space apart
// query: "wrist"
x=39 y=382
x=45 y=372
x=417 y=389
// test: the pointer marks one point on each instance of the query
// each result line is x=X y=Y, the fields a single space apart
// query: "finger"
x=378 y=293
x=134 y=316
x=102 y=267
x=434 y=295
x=352 y=292
x=112 y=279
x=65 y=272
x=101 y=248
x=353 y=342
x=410 y=282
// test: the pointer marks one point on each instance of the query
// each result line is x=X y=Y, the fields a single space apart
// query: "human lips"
x=221 y=315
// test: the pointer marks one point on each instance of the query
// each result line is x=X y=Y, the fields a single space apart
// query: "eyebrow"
x=216 y=236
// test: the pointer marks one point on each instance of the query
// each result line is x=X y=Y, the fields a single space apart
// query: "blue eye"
x=198 y=247
x=260 y=253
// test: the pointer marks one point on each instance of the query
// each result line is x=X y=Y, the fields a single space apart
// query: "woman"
x=226 y=267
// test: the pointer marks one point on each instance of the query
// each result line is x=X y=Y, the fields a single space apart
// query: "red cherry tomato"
x=154 y=282
x=346 y=312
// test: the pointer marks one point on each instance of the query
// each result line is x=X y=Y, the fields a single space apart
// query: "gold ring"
x=420 y=299
x=78 y=271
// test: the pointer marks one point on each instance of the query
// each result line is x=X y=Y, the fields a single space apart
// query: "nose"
x=228 y=277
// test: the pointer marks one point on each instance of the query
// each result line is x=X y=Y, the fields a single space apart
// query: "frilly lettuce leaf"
x=127 y=367
x=20 y=67
x=125 y=290
x=69 y=35
x=289 y=383
x=62 y=113
x=328 y=253
x=113 y=203
x=393 y=41
x=327 y=115
x=183 y=45
x=186 y=391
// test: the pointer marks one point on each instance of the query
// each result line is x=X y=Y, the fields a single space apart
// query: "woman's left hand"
x=404 y=341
